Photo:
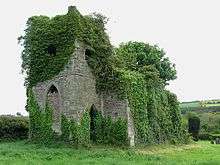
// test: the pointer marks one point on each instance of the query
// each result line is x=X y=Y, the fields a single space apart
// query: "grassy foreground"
x=24 y=153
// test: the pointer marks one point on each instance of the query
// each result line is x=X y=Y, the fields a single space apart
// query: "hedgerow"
x=13 y=127
x=135 y=71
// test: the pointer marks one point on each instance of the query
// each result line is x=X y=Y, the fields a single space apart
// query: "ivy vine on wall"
x=135 y=71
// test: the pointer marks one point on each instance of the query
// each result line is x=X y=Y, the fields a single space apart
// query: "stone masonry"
x=73 y=91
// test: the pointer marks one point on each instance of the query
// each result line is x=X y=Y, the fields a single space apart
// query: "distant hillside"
x=200 y=106
x=209 y=113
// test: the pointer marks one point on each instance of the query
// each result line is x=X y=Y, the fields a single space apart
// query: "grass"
x=213 y=105
x=196 y=107
x=22 y=153
x=190 y=104
x=197 y=104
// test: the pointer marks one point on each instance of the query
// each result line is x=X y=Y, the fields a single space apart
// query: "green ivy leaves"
x=61 y=32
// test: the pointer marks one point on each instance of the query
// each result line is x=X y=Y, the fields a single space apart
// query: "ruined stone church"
x=73 y=91
x=78 y=87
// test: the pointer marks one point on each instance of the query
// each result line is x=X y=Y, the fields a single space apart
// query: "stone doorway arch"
x=54 y=101
x=93 y=113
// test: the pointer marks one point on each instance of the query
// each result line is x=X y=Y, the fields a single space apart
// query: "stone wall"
x=76 y=92
x=75 y=85
x=115 y=107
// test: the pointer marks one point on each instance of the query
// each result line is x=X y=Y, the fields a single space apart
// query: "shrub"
x=210 y=122
x=205 y=136
x=13 y=128
x=194 y=126
x=119 y=132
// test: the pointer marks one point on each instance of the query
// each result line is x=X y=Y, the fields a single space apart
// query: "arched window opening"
x=53 y=89
x=52 y=50
x=88 y=54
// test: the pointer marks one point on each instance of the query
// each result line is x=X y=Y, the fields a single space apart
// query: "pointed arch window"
x=53 y=89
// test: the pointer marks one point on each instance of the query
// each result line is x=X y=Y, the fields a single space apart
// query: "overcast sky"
x=188 y=30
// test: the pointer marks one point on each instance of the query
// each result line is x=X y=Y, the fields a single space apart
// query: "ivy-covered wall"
x=49 y=42
x=106 y=130
x=135 y=71
x=155 y=111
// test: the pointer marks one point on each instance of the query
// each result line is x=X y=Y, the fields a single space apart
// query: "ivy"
x=155 y=111
x=40 y=121
x=109 y=131
x=73 y=132
x=135 y=71
x=65 y=128
x=84 y=130
x=60 y=32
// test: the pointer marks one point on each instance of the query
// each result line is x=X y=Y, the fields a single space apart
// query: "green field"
x=190 y=104
x=205 y=103
x=22 y=153
x=200 y=106
x=213 y=105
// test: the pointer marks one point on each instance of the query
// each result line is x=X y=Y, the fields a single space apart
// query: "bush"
x=13 y=128
x=194 y=126
x=205 y=136
x=210 y=122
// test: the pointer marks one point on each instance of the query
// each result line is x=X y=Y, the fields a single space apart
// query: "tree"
x=144 y=58
x=18 y=114
x=194 y=126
